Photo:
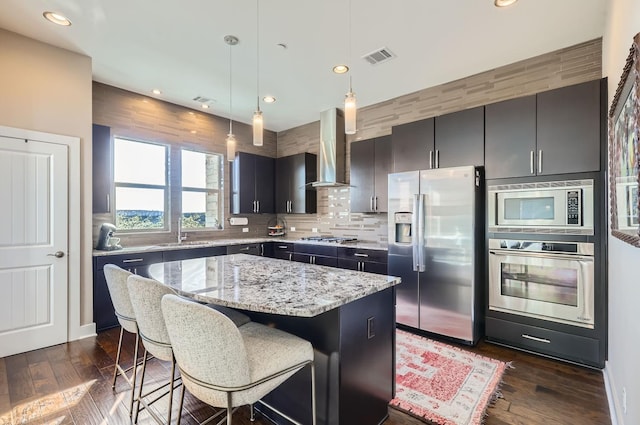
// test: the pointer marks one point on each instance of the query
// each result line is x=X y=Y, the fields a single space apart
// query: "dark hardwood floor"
x=71 y=384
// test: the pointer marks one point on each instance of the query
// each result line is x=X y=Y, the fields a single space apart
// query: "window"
x=140 y=174
x=202 y=193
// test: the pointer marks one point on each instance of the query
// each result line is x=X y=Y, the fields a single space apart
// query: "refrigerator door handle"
x=421 y=233
x=414 y=236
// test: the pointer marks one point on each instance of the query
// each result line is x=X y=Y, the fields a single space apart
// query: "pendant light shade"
x=231 y=146
x=350 y=112
x=258 y=127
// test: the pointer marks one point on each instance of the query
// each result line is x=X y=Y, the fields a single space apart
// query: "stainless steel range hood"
x=331 y=156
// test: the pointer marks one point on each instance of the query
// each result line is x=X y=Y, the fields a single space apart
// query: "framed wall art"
x=624 y=152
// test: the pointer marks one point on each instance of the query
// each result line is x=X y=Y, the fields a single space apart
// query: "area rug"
x=442 y=384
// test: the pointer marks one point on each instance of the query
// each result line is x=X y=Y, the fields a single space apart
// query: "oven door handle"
x=568 y=257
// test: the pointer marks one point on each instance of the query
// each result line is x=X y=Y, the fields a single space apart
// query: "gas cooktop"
x=333 y=239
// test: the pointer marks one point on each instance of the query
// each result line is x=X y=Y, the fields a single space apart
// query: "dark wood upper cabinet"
x=370 y=166
x=412 y=145
x=449 y=140
x=102 y=169
x=510 y=138
x=569 y=126
x=252 y=184
x=554 y=132
x=293 y=192
x=459 y=138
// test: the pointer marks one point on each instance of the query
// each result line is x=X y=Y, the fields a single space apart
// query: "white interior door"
x=33 y=244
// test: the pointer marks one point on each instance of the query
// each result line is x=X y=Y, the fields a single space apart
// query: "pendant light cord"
x=230 y=96
x=349 y=47
x=258 y=53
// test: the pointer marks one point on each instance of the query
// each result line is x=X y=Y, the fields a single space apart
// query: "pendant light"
x=231 y=139
x=350 y=97
x=258 y=122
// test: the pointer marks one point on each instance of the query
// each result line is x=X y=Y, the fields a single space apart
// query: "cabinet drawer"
x=362 y=266
x=253 y=249
x=545 y=341
x=358 y=254
x=128 y=261
x=320 y=260
x=185 y=254
x=282 y=247
x=326 y=250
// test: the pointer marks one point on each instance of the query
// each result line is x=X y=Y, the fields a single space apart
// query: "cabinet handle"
x=358 y=265
x=430 y=159
x=258 y=202
x=290 y=206
x=375 y=203
x=371 y=203
x=254 y=206
x=540 y=161
x=108 y=203
x=357 y=254
x=534 y=338
x=133 y=260
x=282 y=246
x=244 y=248
x=531 y=162
x=262 y=249
x=437 y=158
x=290 y=256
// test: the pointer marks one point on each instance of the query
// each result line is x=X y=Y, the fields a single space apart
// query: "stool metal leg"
x=133 y=377
x=181 y=403
x=115 y=369
x=173 y=372
x=229 y=409
x=144 y=369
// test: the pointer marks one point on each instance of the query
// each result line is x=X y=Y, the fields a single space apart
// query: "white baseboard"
x=612 y=397
x=84 y=331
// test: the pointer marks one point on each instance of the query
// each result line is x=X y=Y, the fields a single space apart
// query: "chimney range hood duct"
x=331 y=156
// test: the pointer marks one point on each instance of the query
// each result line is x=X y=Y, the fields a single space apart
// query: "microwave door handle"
x=421 y=234
x=414 y=236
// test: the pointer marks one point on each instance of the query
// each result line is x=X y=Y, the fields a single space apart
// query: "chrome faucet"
x=181 y=237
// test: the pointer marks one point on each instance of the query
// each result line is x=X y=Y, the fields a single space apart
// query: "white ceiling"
x=178 y=46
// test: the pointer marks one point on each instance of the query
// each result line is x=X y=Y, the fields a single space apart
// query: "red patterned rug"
x=442 y=384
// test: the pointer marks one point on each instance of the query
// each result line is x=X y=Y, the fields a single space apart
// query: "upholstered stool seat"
x=228 y=366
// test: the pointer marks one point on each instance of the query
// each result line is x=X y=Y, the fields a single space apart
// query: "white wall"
x=47 y=89
x=623 y=366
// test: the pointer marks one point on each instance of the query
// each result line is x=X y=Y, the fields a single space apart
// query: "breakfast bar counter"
x=348 y=316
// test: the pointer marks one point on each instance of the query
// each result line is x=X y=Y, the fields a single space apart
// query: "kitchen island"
x=348 y=316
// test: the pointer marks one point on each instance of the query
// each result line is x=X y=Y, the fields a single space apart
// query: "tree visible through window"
x=201 y=190
x=140 y=174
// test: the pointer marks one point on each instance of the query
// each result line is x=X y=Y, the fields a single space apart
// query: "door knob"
x=58 y=254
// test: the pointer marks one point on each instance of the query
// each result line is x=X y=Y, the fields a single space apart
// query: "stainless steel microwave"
x=558 y=207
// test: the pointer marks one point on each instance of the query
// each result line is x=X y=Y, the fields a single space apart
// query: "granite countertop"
x=226 y=242
x=268 y=285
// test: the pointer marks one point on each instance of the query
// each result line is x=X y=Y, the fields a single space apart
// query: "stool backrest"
x=207 y=344
x=117 y=283
x=146 y=295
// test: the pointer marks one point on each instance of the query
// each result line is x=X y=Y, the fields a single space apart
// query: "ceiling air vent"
x=379 y=56
x=204 y=100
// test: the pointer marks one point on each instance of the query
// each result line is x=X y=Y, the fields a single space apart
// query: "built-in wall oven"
x=545 y=280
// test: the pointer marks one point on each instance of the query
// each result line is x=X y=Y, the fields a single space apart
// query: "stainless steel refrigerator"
x=435 y=246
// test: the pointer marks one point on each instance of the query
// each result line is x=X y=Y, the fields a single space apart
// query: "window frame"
x=166 y=187
x=219 y=191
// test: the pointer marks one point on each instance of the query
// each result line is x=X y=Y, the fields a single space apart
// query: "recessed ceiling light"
x=340 y=69
x=205 y=106
x=194 y=132
x=504 y=3
x=57 y=18
x=269 y=99
x=156 y=91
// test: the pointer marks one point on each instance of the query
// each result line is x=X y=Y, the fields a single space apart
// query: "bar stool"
x=146 y=295
x=117 y=283
x=228 y=366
